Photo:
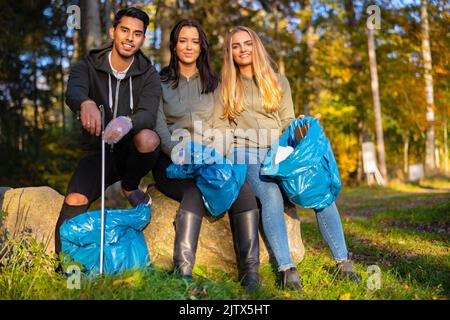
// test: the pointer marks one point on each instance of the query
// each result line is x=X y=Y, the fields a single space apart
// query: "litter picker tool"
x=102 y=228
x=121 y=243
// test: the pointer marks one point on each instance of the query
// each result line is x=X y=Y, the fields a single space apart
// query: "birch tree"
x=376 y=103
x=429 y=96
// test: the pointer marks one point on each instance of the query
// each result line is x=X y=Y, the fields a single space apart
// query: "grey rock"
x=215 y=248
x=36 y=210
x=32 y=211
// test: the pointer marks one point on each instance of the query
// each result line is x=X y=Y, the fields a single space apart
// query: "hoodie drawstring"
x=117 y=95
x=131 y=95
x=116 y=104
x=110 y=93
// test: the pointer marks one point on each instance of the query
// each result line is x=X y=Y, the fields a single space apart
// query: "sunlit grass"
x=410 y=245
x=396 y=187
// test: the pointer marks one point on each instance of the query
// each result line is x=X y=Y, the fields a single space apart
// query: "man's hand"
x=91 y=117
x=117 y=129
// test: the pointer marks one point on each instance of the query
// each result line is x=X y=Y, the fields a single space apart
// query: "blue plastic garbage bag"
x=217 y=178
x=124 y=244
x=309 y=176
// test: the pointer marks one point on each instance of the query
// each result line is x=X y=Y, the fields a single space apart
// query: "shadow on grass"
x=421 y=270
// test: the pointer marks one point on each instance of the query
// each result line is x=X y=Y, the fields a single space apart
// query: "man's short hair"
x=134 y=13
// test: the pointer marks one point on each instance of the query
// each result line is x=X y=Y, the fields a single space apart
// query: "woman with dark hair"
x=171 y=73
x=187 y=107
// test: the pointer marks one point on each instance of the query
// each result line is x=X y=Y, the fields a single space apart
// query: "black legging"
x=187 y=193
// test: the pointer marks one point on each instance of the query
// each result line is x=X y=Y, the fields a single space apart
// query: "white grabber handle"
x=102 y=230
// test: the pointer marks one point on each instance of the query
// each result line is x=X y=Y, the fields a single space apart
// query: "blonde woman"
x=255 y=104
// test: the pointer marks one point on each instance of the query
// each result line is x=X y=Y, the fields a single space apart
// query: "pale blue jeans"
x=269 y=194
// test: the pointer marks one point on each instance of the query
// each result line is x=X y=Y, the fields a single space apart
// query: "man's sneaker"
x=137 y=197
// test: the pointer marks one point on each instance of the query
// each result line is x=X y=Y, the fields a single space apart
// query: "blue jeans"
x=330 y=226
x=272 y=211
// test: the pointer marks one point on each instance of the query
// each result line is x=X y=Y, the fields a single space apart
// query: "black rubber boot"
x=187 y=230
x=290 y=279
x=246 y=243
x=345 y=269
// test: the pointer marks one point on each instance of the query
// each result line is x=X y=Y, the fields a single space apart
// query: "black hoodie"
x=92 y=79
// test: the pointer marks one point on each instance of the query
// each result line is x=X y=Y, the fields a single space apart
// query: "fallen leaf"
x=204 y=292
x=345 y=296
x=287 y=295
x=127 y=281
x=193 y=293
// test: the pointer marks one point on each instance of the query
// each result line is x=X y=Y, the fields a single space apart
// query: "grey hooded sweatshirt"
x=254 y=127
x=183 y=111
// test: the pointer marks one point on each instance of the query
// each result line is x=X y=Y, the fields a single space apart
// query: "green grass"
x=410 y=245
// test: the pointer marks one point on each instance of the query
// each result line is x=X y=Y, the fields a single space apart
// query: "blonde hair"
x=232 y=87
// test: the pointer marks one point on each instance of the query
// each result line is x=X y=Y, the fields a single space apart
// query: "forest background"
x=371 y=71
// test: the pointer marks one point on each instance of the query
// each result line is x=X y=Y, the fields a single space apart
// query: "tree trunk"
x=446 y=144
x=280 y=62
x=61 y=74
x=76 y=47
x=426 y=53
x=90 y=25
x=311 y=79
x=166 y=24
x=35 y=91
x=297 y=103
x=437 y=153
x=406 y=155
x=154 y=39
x=21 y=133
x=114 y=6
x=376 y=104
x=109 y=16
x=357 y=67
x=363 y=137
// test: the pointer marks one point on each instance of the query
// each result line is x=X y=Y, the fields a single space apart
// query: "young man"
x=121 y=79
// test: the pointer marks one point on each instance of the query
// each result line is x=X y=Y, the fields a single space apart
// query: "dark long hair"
x=171 y=73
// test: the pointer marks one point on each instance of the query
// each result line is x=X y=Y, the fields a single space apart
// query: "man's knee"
x=76 y=199
x=146 y=141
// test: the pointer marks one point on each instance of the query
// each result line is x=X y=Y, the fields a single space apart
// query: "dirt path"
x=356 y=207
x=363 y=206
